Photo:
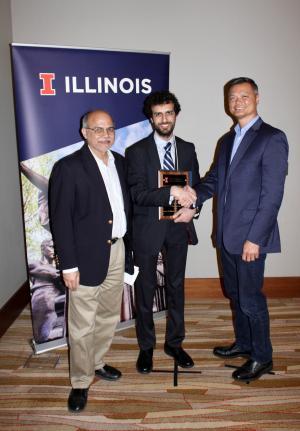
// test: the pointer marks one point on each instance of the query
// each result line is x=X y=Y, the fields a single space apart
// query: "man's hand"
x=184 y=215
x=250 y=251
x=71 y=280
x=186 y=196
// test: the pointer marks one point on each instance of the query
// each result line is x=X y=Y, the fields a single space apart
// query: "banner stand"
x=52 y=83
x=39 y=348
x=63 y=342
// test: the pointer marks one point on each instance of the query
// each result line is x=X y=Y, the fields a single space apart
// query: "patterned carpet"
x=34 y=389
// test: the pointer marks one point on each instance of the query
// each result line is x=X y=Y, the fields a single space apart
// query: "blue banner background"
x=47 y=123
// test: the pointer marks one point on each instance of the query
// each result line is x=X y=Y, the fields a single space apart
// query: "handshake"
x=185 y=196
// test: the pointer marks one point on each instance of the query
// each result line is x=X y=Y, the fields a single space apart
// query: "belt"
x=113 y=240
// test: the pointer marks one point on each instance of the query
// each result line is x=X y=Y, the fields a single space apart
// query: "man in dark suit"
x=88 y=208
x=160 y=150
x=248 y=182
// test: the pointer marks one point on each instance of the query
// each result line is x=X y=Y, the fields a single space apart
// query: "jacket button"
x=110 y=221
x=108 y=241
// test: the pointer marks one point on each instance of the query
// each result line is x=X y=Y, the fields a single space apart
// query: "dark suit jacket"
x=252 y=186
x=143 y=165
x=81 y=215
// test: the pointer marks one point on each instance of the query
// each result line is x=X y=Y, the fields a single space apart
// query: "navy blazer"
x=143 y=164
x=81 y=215
x=249 y=190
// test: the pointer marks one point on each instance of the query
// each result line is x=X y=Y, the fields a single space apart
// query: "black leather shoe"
x=77 y=400
x=252 y=370
x=182 y=358
x=108 y=373
x=144 y=363
x=232 y=351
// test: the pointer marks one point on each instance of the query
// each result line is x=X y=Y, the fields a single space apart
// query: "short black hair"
x=160 y=98
x=241 y=80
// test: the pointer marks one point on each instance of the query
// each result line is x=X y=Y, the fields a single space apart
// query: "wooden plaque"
x=168 y=179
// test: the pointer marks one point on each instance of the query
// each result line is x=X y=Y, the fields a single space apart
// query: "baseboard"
x=195 y=288
x=274 y=287
x=14 y=306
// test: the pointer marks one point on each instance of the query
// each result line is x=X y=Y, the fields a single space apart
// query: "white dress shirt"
x=113 y=188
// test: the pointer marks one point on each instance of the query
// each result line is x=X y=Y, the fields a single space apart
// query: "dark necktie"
x=168 y=164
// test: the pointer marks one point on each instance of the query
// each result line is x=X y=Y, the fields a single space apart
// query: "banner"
x=54 y=87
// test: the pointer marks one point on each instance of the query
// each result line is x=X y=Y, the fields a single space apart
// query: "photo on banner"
x=54 y=87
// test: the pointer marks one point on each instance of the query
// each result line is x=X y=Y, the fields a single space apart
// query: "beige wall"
x=210 y=42
x=12 y=262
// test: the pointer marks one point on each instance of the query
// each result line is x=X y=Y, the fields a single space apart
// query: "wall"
x=12 y=262
x=210 y=42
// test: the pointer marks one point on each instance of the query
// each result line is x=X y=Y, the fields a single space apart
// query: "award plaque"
x=168 y=179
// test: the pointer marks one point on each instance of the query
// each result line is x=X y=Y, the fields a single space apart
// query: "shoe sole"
x=240 y=355
x=180 y=365
x=254 y=378
x=186 y=366
x=144 y=372
x=76 y=412
x=107 y=378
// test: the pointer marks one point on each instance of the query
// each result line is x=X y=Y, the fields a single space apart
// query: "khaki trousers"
x=93 y=314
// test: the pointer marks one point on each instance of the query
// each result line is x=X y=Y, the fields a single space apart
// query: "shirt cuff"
x=67 y=271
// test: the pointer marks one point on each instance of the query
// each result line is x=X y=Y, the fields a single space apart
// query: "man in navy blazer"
x=247 y=179
x=89 y=206
x=160 y=150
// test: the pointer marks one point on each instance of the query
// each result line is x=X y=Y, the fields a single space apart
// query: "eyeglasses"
x=162 y=114
x=101 y=130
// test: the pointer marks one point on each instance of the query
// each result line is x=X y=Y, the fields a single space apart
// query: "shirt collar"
x=111 y=158
x=242 y=130
x=162 y=142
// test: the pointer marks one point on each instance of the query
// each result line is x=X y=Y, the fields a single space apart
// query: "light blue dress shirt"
x=239 y=134
x=160 y=145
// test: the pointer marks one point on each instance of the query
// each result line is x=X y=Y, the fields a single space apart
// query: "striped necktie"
x=168 y=164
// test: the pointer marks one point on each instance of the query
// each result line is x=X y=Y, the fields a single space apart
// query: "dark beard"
x=164 y=133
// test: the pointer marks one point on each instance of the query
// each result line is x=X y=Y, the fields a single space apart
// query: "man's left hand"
x=184 y=215
x=250 y=251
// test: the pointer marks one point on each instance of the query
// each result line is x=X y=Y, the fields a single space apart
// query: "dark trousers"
x=175 y=262
x=243 y=282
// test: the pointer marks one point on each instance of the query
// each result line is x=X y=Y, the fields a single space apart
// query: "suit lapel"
x=93 y=172
x=230 y=140
x=244 y=145
x=153 y=153
x=180 y=153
